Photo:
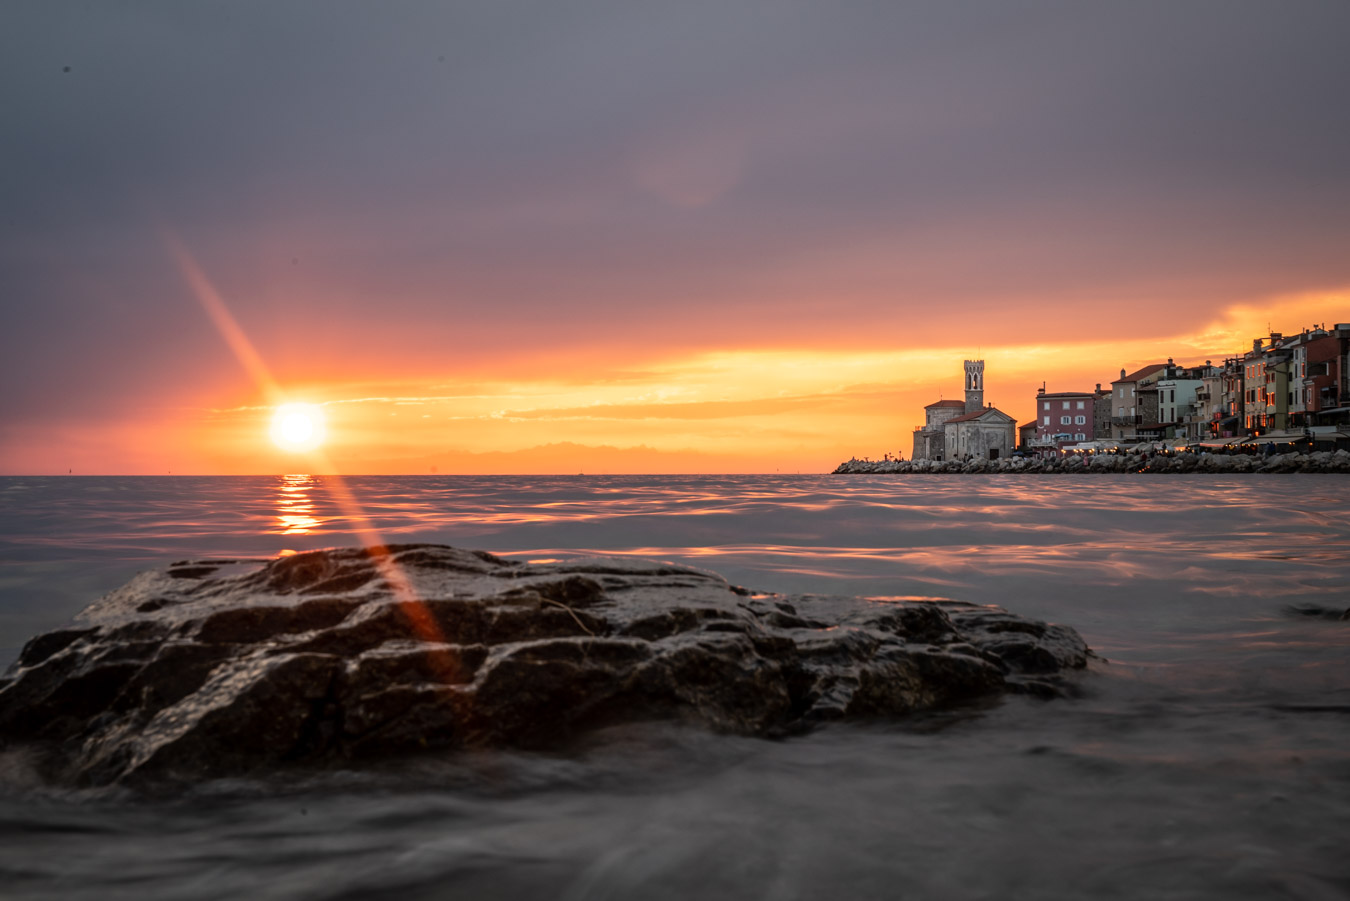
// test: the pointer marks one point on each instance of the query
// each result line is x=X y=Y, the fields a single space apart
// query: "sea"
x=1206 y=754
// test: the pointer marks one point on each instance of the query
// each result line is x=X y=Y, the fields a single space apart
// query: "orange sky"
x=757 y=409
x=702 y=236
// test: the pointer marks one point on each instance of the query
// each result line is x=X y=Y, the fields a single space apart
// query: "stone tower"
x=974 y=385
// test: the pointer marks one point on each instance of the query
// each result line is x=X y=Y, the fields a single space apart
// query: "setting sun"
x=297 y=427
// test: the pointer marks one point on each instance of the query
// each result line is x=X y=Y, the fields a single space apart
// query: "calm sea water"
x=1209 y=758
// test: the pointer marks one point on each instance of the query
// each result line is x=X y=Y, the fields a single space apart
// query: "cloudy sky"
x=625 y=236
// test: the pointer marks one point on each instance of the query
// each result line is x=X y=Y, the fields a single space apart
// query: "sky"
x=722 y=236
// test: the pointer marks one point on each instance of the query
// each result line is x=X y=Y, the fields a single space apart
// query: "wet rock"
x=333 y=658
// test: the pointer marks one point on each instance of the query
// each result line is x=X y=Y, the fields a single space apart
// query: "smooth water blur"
x=1210 y=757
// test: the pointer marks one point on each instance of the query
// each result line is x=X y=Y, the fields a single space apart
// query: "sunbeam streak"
x=299 y=427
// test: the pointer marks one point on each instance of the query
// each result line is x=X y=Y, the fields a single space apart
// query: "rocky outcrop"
x=1171 y=462
x=207 y=668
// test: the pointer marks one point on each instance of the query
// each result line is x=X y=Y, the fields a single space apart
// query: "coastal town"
x=1287 y=397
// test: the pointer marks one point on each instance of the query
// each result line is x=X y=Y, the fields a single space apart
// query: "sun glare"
x=297 y=427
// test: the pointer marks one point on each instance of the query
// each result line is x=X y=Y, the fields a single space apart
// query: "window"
x=1079 y=420
x=1120 y=411
x=1064 y=420
x=1080 y=405
x=1080 y=437
x=1047 y=405
x=1066 y=405
x=1045 y=421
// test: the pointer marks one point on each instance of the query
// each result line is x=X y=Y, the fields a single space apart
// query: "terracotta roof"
x=977 y=414
x=946 y=403
x=1142 y=373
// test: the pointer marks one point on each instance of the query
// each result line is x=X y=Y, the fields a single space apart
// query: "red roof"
x=977 y=414
x=947 y=403
x=1142 y=373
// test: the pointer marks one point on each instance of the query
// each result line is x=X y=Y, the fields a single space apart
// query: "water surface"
x=1209 y=758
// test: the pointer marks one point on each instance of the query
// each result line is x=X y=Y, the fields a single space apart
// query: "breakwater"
x=1154 y=462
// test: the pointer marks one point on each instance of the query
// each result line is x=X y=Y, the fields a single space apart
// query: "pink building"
x=1063 y=417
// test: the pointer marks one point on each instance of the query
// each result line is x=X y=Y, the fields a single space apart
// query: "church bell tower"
x=974 y=385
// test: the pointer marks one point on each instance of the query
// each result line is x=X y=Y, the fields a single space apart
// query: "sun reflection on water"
x=295 y=506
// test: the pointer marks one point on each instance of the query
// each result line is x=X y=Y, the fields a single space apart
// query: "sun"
x=297 y=427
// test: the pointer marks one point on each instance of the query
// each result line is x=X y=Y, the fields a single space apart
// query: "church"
x=956 y=430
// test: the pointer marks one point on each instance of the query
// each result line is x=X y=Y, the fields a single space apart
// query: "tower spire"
x=974 y=385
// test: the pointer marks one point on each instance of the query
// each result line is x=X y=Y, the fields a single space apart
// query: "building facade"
x=1101 y=413
x=930 y=440
x=986 y=434
x=1292 y=387
x=1134 y=399
x=956 y=429
x=1178 y=402
x=1064 y=418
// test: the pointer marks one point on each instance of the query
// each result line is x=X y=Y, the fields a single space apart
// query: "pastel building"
x=1317 y=376
x=1178 y=402
x=1064 y=417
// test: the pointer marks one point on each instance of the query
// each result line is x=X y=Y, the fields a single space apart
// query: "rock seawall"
x=209 y=668
x=1320 y=461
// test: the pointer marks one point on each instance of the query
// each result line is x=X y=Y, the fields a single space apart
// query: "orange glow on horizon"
x=300 y=427
x=759 y=408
